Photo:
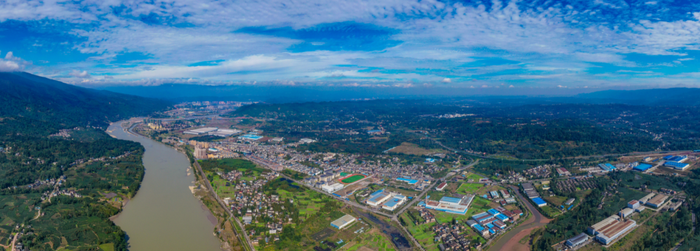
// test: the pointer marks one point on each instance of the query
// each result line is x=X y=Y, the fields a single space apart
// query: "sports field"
x=352 y=178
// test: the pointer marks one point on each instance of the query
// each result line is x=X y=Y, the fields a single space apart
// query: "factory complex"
x=386 y=200
x=450 y=204
x=343 y=222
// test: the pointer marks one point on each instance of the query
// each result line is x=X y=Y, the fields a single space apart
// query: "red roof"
x=443 y=185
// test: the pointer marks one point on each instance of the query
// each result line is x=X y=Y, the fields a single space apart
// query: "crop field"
x=422 y=233
x=412 y=149
x=467 y=188
x=352 y=178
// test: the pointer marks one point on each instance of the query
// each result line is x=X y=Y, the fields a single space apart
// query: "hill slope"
x=33 y=97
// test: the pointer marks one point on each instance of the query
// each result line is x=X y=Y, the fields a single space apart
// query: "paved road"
x=508 y=236
x=248 y=244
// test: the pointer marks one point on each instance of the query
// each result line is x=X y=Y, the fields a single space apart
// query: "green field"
x=353 y=178
x=467 y=188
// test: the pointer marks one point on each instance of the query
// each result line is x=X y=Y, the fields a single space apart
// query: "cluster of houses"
x=451 y=238
x=493 y=220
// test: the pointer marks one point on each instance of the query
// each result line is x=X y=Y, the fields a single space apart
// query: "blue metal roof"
x=450 y=200
x=676 y=164
x=478 y=227
x=375 y=193
x=642 y=167
x=539 y=201
x=668 y=157
x=489 y=225
x=493 y=211
x=502 y=217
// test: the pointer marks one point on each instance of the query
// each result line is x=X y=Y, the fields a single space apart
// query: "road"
x=508 y=239
x=248 y=244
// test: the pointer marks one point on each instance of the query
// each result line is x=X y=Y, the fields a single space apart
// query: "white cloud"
x=446 y=80
x=11 y=63
x=79 y=74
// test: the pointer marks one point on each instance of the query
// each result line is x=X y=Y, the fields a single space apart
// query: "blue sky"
x=622 y=44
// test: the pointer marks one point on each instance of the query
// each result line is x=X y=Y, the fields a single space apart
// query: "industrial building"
x=577 y=240
x=394 y=202
x=331 y=188
x=607 y=167
x=657 y=201
x=451 y=204
x=482 y=217
x=342 y=222
x=563 y=172
x=201 y=131
x=676 y=165
x=642 y=167
x=614 y=230
x=593 y=230
x=539 y=201
x=225 y=132
x=644 y=199
x=441 y=186
x=624 y=213
x=378 y=197
x=633 y=204
x=570 y=201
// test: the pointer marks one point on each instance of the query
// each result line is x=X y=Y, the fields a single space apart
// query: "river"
x=164 y=215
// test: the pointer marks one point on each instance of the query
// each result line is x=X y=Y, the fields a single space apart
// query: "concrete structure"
x=676 y=165
x=342 y=222
x=441 y=186
x=539 y=201
x=306 y=141
x=394 y=202
x=615 y=230
x=563 y=172
x=593 y=230
x=644 y=199
x=225 y=132
x=201 y=131
x=570 y=201
x=657 y=201
x=577 y=240
x=378 y=197
x=330 y=188
x=200 y=152
x=624 y=213
x=451 y=204
x=633 y=204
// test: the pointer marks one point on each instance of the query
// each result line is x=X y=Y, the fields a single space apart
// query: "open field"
x=468 y=188
x=413 y=149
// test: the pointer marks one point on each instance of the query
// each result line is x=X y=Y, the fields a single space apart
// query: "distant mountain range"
x=285 y=94
x=29 y=96
x=667 y=97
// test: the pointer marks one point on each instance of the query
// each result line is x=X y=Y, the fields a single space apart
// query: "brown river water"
x=164 y=215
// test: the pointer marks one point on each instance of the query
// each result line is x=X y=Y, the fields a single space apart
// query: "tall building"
x=200 y=151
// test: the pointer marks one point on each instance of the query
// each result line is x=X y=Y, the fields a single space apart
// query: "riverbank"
x=217 y=215
x=163 y=215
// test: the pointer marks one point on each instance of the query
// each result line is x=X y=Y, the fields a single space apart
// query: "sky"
x=577 y=44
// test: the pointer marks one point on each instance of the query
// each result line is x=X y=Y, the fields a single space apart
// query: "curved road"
x=508 y=238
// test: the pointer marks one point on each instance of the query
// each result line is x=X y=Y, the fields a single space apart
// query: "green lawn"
x=467 y=188
x=352 y=179
x=107 y=247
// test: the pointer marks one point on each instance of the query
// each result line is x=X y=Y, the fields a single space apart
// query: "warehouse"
x=679 y=159
x=493 y=212
x=539 y=201
x=570 y=201
x=343 y=221
x=332 y=187
x=201 y=131
x=676 y=165
x=224 y=132
x=528 y=187
x=394 y=202
x=593 y=230
x=378 y=197
x=642 y=167
x=644 y=199
x=624 y=213
x=451 y=204
x=577 y=240
x=482 y=217
x=441 y=186
x=634 y=204
x=615 y=230
x=657 y=201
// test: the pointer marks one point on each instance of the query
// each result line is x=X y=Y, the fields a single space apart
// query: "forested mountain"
x=53 y=187
x=29 y=96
